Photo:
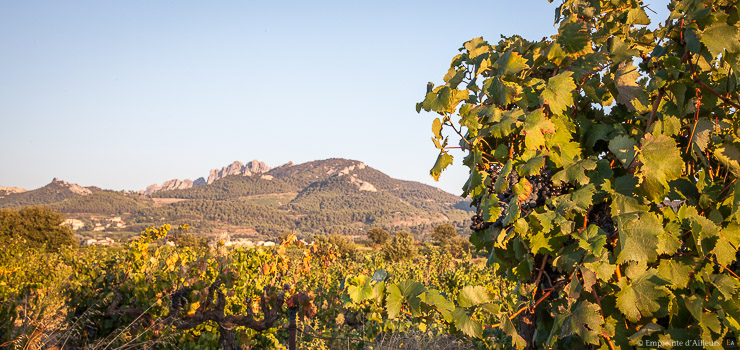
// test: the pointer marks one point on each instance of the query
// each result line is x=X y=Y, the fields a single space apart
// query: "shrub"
x=39 y=226
x=378 y=236
x=444 y=233
x=191 y=241
x=402 y=247
x=343 y=245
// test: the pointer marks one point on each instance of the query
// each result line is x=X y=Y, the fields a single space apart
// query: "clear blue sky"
x=128 y=93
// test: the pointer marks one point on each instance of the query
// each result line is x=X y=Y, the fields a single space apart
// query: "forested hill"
x=324 y=196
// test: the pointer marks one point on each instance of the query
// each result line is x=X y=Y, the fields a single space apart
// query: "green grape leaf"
x=639 y=235
x=574 y=38
x=558 y=92
x=575 y=173
x=719 y=36
x=453 y=78
x=631 y=94
x=726 y=284
x=508 y=328
x=585 y=321
x=675 y=271
x=637 y=16
x=472 y=296
x=644 y=297
x=490 y=208
x=437 y=128
x=393 y=301
x=729 y=156
x=466 y=324
x=361 y=292
x=502 y=184
x=623 y=147
x=504 y=123
x=535 y=127
x=510 y=63
x=621 y=51
x=443 y=161
x=661 y=162
x=434 y=298
x=593 y=240
x=532 y=166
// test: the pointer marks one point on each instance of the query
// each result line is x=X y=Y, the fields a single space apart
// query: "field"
x=149 y=293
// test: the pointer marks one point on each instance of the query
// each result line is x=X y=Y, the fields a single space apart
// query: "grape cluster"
x=180 y=297
x=601 y=216
x=477 y=222
x=542 y=189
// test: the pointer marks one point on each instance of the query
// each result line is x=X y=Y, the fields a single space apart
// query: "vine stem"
x=633 y=164
x=697 y=79
x=723 y=266
x=601 y=311
x=523 y=308
x=539 y=275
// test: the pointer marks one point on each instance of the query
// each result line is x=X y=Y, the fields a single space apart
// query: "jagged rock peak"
x=346 y=170
x=237 y=168
x=5 y=191
x=74 y=188
x=173 y=184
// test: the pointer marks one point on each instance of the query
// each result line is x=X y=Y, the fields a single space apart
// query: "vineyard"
x=150 y=294
x=603 y=165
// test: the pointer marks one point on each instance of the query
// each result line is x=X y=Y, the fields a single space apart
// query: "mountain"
x=324 y=196
x=235 y=168
x=4 y=191
x=56 y=191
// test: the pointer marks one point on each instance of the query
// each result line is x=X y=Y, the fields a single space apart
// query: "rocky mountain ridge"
x=4 y=191
x=236 y=168
x=318 y=197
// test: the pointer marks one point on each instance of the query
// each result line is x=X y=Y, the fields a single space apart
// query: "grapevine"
x=603 y=164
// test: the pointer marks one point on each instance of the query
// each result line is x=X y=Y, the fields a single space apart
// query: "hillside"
x=54 y=192
x=323 y=196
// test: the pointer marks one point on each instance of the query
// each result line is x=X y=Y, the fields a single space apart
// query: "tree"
x=378 y=236
x=401 y=247
x=342 y=245
x=38 y=226
x=444 y=233
x=606 y=189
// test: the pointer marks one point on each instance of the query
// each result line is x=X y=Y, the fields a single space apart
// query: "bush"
x=402 y=247
x=444 y=233
x=342 y=245
x=39 y=226
x=192 y=241
x=378 y=236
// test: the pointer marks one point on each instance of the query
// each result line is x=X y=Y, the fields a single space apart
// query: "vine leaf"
x=631 y=94
x=473 y=296
x=729 y=156
x=406 y=292
x=585 y=321
x=558 y=92
x=443 y=161
x=535 y=127
x=644 y=297
x=661 y=162
x=434 y=298
x=720 y=36
x=466 y=324
x=639 y=235
x=675 y=271
x=575 y=173
x=623 y=147
x=510 y=63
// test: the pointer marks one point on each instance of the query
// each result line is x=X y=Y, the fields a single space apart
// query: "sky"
x=123 y=94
